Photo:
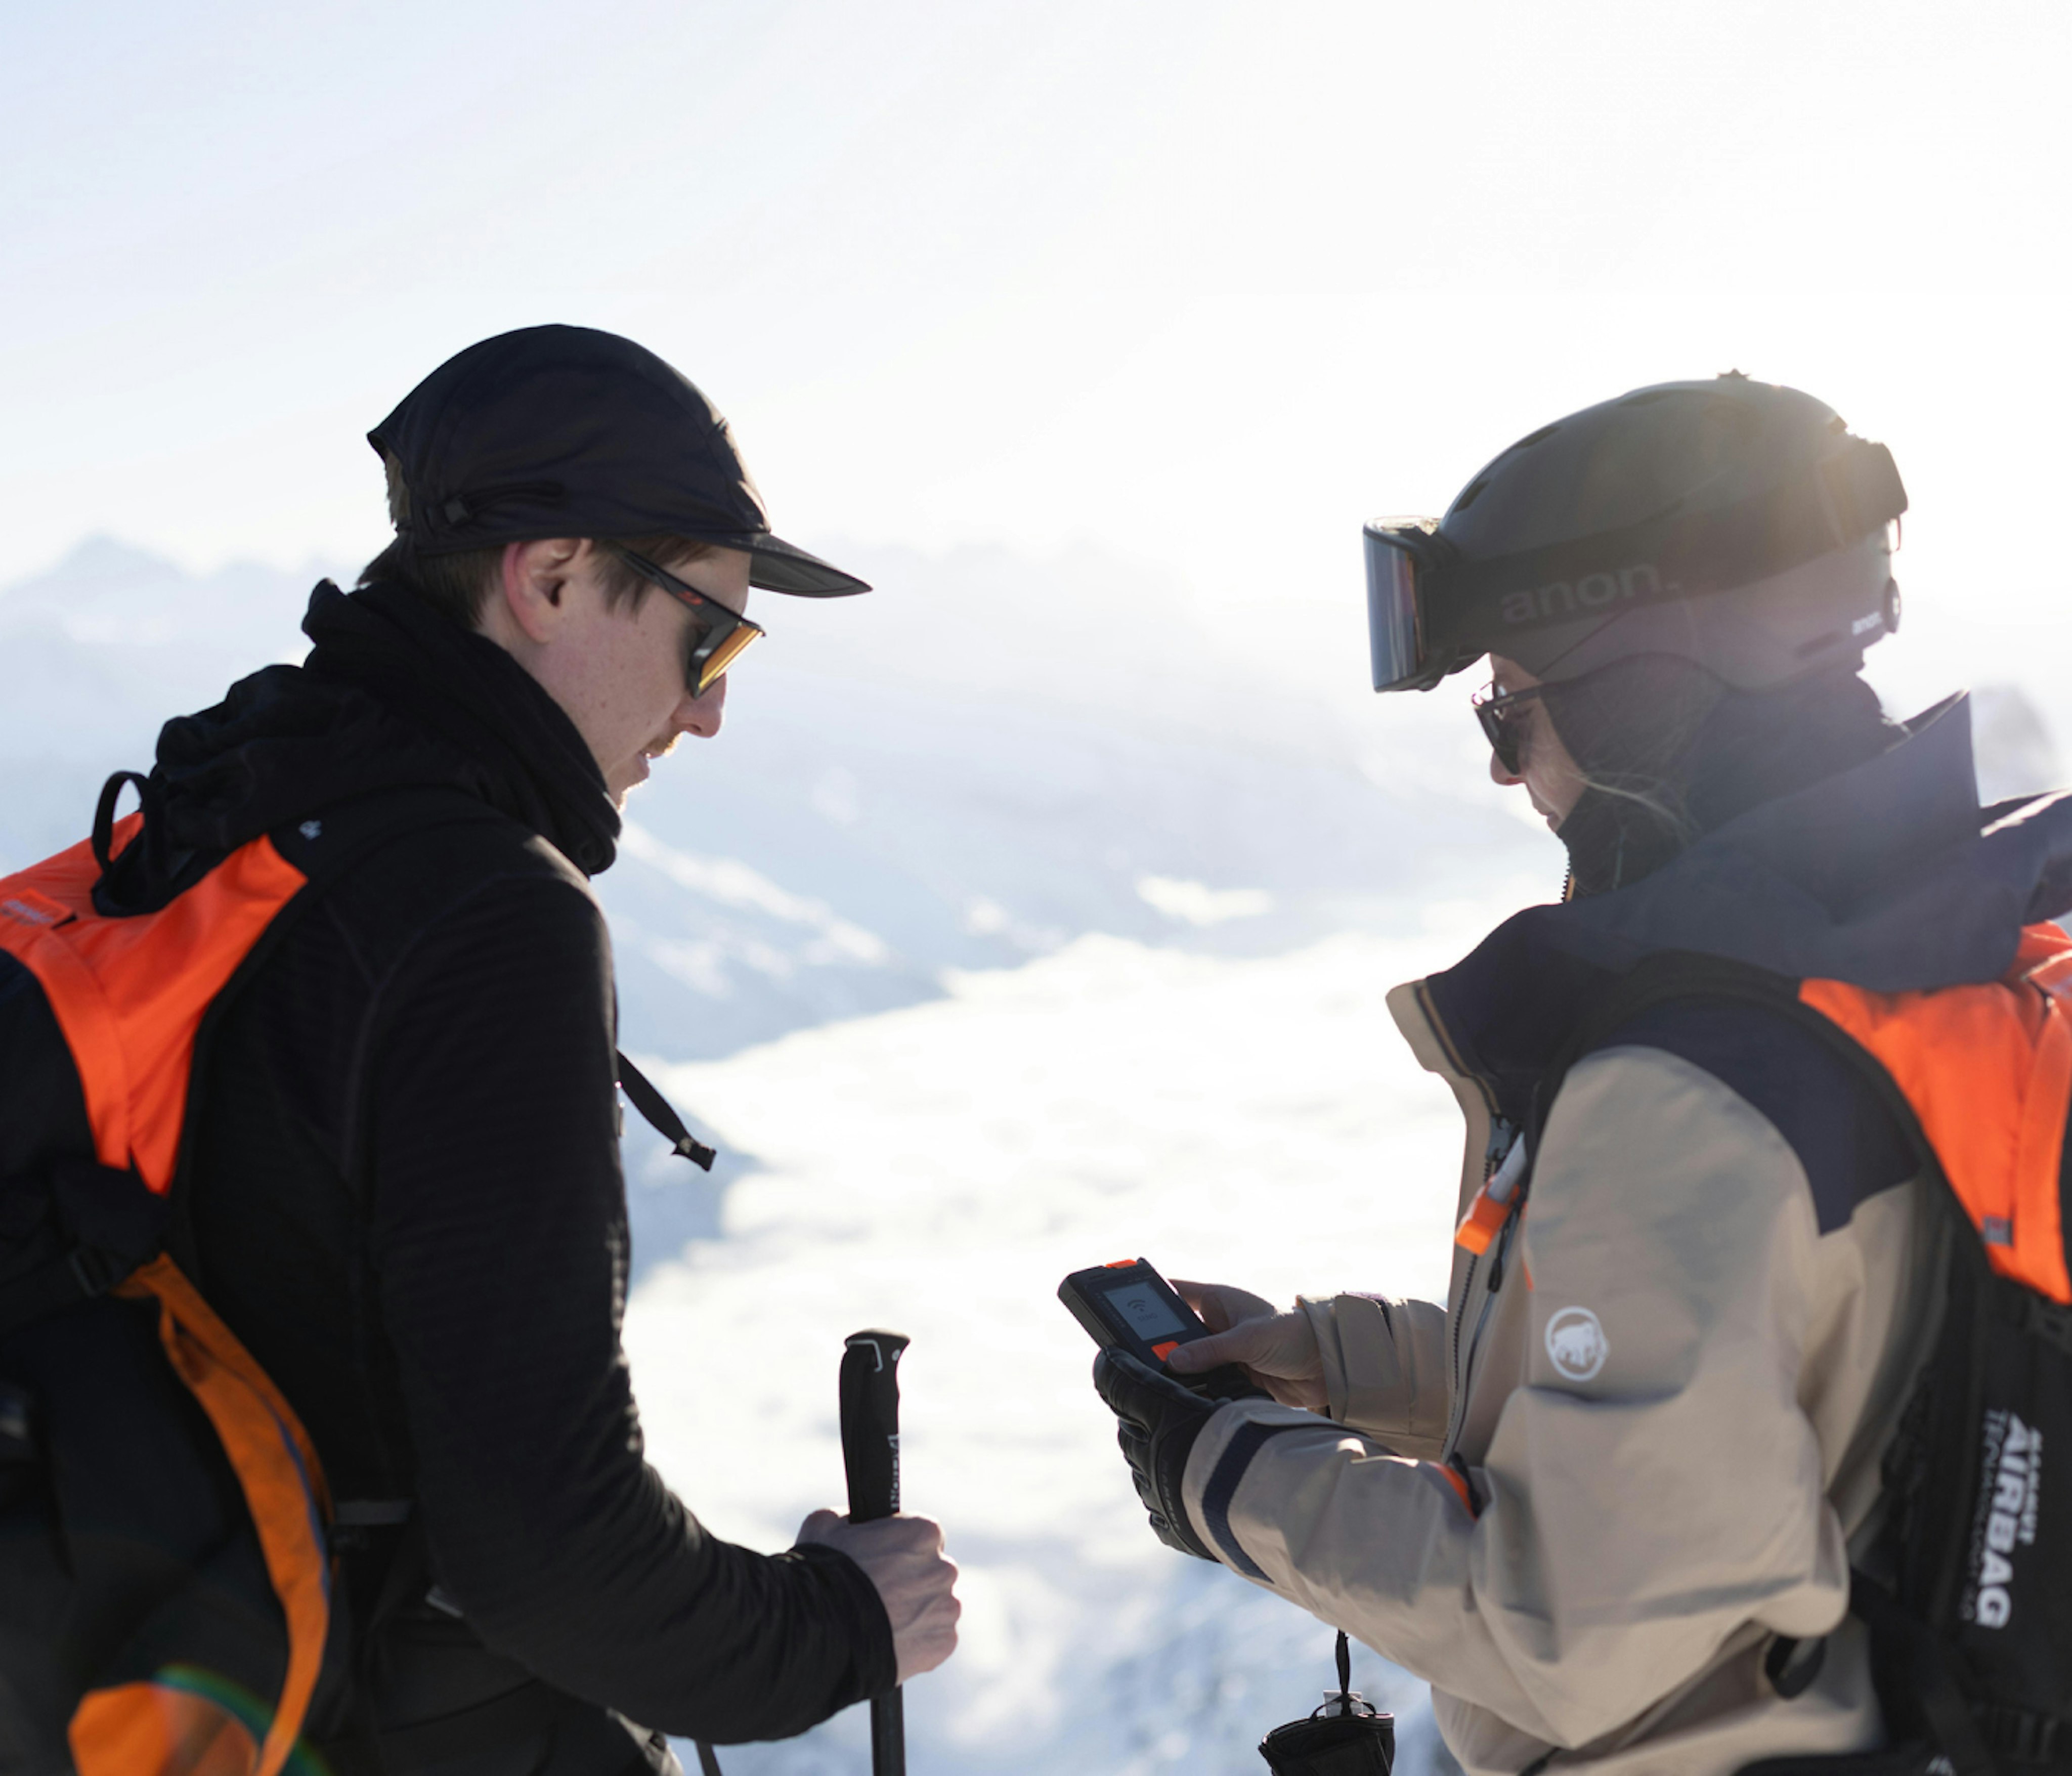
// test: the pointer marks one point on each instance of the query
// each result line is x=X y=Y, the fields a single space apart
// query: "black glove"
x=1157 y=1423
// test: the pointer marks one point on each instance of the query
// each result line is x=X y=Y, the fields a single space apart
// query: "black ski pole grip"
x=870 y=1457
x=871 y=1423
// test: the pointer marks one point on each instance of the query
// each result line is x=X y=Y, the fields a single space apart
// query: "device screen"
x=1146 y=1311
x=1127 y=1305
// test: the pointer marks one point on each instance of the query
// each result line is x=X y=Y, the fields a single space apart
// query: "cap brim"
x=778 y=566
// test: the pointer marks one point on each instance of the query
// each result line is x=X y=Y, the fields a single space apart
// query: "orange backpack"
x=1972 y=1640
x=165 y=1576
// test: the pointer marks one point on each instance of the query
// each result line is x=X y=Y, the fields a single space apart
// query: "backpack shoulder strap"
x=1672 y=976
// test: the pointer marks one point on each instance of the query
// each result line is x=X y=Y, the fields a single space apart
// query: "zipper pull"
x=1494 y=1204
x=1503 y=1137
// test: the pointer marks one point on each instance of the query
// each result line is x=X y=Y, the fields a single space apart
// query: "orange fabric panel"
x=1988 y=1070
x=278 y=1468
x=150 y=1729
x=129 y=993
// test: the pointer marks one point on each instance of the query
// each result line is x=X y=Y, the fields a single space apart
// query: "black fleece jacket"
x=405 y=1194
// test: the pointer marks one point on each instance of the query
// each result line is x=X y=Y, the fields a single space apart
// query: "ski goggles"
x=1401 y=553
x=1430 y=612
x=717 y=639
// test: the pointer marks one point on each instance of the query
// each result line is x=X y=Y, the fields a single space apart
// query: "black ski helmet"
x=1734 y=523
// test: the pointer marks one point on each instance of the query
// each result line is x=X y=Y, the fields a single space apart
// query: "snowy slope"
x=938 y=1169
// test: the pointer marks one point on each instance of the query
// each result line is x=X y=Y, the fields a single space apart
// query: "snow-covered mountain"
x=979 y=763
x=984 y=760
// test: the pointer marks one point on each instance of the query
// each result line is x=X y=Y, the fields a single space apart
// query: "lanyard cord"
x=654 y=1109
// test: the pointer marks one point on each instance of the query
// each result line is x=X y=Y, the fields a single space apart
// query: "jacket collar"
x=393 y=695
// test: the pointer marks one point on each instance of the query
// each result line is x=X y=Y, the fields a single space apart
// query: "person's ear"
x=530 y=580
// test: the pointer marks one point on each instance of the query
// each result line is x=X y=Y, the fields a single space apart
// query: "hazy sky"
x=1204 y=284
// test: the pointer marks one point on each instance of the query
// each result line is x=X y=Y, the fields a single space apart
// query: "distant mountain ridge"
x=985 y=758
x=988 y=757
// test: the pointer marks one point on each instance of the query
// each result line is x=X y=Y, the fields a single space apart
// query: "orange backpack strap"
x=284 y=1488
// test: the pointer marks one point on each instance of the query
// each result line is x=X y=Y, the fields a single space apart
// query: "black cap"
x=565 y=431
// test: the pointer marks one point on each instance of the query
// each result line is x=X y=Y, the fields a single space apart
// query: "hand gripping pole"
x=870 y=1457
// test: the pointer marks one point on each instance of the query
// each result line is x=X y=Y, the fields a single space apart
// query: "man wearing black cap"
x=406 y=1196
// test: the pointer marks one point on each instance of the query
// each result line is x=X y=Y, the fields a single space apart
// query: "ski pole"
x=870 y=1457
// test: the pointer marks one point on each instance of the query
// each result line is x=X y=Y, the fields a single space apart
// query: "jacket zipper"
x=1503 y=1135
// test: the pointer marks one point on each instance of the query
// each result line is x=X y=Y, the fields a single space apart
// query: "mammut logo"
x=2009 y=1506
x=1591 y=592
x=1576 y=1343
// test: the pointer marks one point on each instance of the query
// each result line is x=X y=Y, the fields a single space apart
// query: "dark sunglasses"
x=1504 y=721
x=718 y=639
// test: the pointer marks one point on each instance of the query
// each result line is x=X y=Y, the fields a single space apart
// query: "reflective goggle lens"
x=1392 y=626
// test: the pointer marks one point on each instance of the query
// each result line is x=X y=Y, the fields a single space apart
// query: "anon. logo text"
x=2012 y=1472
x=1589 y=592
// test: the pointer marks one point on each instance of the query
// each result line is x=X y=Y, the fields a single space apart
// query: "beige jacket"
x=1670 y=1409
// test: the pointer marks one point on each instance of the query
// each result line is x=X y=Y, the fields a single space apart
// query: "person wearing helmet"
x=404 y=1195
x=1609 y=1498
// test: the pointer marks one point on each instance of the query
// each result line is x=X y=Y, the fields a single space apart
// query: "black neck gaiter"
x=535 y=766
x=1670 y=753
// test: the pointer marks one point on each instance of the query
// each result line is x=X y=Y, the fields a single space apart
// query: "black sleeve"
x=499 y=1223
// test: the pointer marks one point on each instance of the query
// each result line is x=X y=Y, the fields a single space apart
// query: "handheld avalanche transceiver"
x=1127 y=1305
